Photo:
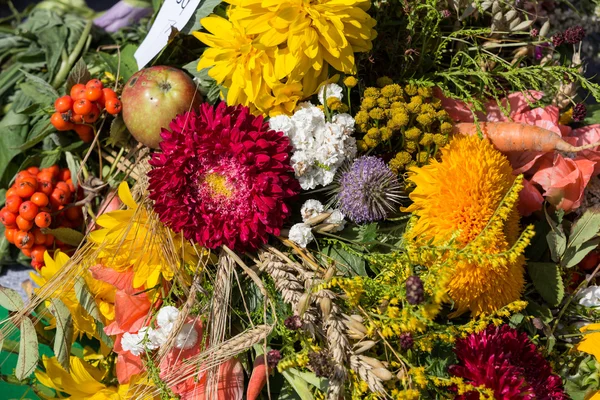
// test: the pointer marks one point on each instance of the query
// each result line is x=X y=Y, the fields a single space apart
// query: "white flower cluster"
x=147 y=338
x=320 y=147
x=301 y=233
x=590 y=296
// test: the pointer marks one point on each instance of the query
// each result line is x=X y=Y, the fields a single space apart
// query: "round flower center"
x=217 y=185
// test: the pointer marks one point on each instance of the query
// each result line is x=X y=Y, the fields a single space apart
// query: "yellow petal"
x=125 y=195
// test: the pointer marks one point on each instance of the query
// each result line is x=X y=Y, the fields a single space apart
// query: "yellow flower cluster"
x=466 y=206
x=566 y=117
x=462 y=387
x=409 y=120
x=269 y=55
x=353 y=287
x=295 y=361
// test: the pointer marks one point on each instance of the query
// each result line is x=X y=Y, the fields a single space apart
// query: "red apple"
x=154 y=96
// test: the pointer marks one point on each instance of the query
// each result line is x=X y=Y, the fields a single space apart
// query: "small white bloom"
x=137 y=343
x=330 y=90
x=346 y=122
x=311 y=208
x=337 y=218
x=282 y=123
x=327 y=176
x=167 y=316
x=301 y=234
x=187 y=338
x=590 y=296
x=158 y=337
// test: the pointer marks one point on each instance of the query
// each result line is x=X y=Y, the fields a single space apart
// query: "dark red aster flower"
x=506 y=361
x=223 y=178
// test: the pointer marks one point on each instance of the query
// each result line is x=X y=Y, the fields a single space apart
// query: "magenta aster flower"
x=223 y=178
x=506 y=361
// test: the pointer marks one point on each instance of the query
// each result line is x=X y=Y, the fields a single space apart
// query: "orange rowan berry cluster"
x=82 y=107
x=39 y=199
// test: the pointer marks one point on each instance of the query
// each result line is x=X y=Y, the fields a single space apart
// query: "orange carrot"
x=514 y=137
x=258 y=379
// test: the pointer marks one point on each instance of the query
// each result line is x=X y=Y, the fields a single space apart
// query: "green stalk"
x=67 y=64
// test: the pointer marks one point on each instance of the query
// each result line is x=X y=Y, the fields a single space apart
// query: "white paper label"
x=173 y=13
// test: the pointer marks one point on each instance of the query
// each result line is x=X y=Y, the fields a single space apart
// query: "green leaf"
x=311 y=378
x=593 y=115
x=367 y=233
x=40 y=130
x=119 y=135
x=516 y=319
x=205 y=8
x=573 y=255
x=110 y=62
x=66 y=235
x=10 y=299
x=299 y=385
x=50 y=159
x=28 y=350
x=128 y=63
x=73 y=167
x=64 y=332
x=207 y=86
x=540 y=311
x=547 y=281
x=86 y=299
x=53 y=41
x=103 y=336
x=44 y=89
x=585 y=228
x=79 y=74
x=345 y=262
x=574 y=391
x=13 y=133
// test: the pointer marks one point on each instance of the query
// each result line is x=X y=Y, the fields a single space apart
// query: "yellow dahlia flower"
x=103 y=293
x=84 y=382
x=242 y=65
x=271 y=54
x=315 y=32
x=468 y=201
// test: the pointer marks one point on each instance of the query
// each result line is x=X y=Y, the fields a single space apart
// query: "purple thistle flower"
x=367 y=190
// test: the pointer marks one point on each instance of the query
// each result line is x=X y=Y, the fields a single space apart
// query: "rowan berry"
x=25 y=189
x=13 y=203
x=63 y=104
x=43 y=220
x=113 y=106
x=40 y=199
x=23 y=224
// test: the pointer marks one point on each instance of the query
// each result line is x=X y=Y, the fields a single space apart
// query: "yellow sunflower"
x=135 y=238
x=468 y=201
x=83 y=382
x=104 y=294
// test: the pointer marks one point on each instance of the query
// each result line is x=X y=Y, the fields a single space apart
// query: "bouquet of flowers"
x=332 y=199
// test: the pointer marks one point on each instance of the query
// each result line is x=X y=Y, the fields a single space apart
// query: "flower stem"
x=67 y=64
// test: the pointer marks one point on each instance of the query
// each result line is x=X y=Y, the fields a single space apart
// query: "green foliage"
x=464 y=53
x=547 y=281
